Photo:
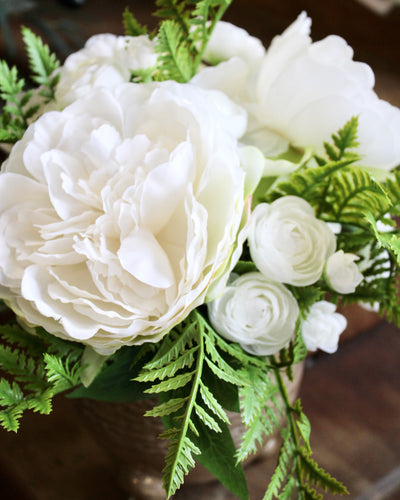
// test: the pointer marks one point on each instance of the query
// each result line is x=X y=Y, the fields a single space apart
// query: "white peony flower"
x=112 y=235
x=288 y=243
x=106 y=61
x=228 y=40
x=322 y=327
x=342 y=272
x=258 y=314
x=301 y=92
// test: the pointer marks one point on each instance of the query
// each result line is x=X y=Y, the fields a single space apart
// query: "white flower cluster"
x=126 y=206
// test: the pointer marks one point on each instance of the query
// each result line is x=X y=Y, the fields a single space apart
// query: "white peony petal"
x=142 y=256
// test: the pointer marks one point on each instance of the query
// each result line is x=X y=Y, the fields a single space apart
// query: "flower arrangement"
x=181 y=213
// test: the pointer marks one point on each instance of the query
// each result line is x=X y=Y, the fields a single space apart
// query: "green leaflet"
x=18 y=108
x=39 y=368
x=42 y=63
x=182 y=36
x=187 y=368
x=296 y=472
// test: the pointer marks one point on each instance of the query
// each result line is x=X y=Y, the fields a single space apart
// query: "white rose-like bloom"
x=301 y=92
x=288 y=243
x=342 y=272
x=106 y=60
x=257 y=313
x=117 y=213
x=323 y=327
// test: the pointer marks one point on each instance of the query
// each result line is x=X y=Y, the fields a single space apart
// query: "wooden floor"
x=352 y=398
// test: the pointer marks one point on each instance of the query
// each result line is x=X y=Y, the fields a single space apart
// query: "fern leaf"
x=354 y=191
x=206 y=418
x=179 y=460
x=41 y=62
x=167 y=371
x=281 y=471
x=174 y=60
x=10 y=394
x=132 y=27
x=172 y=384
x=212 y=403
x=318 y=476
x=251 y=439
x=61 y=374
x=346 y=138
x=10 y=418
x=171 y=406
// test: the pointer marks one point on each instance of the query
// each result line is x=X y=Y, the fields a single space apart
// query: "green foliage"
x=343 y=142
x=260 y=410
x=296 y=472
x=184 y=31
x=18 y=108
x=180 y=372
x=42 y=63
x=16 y=111
x=132 y=27
x=37 y=367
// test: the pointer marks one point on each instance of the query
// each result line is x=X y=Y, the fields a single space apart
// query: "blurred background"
x=351 y=398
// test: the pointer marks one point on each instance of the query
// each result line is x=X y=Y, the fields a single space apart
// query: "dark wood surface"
x=352 y=398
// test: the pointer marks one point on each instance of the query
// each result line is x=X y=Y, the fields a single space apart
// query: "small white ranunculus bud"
x=288 y=243
x=322 y=327
x=258 y=314
x=342 y=272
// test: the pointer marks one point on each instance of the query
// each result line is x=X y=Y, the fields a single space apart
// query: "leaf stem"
x=190 y=405
x=291 y=423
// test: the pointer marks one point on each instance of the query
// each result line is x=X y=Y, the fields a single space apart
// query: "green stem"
x=218 y=17
x=291 y=422
x=189 y=408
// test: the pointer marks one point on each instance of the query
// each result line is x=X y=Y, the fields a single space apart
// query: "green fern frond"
x=282 y=469
x=171 y=406
x=174 y=60
x=392 y=187
x=132 y=27
x=177 y=10
x=14 y=119
x=62 y=374
x=176 y=468
x=42 y=63
x=309 y=183
x=354 y=191
x=343 y=141
x=185 y=360
x=316 y=475
x=207 y=419
x=34 y=375
x=212 y=403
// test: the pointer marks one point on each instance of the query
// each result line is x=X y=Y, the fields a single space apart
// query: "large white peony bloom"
x=257 y=313
x=301 y=92
x=106 y=60
x=288 y=243
x=117 y=213
x=323 y=327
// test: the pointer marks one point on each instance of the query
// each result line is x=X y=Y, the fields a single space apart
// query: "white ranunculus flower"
x=322 y=327
x=112 y=235
x=342 y=272
x=288 y=243
x=301 y=92
x=106 y=60
x=257 y=313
